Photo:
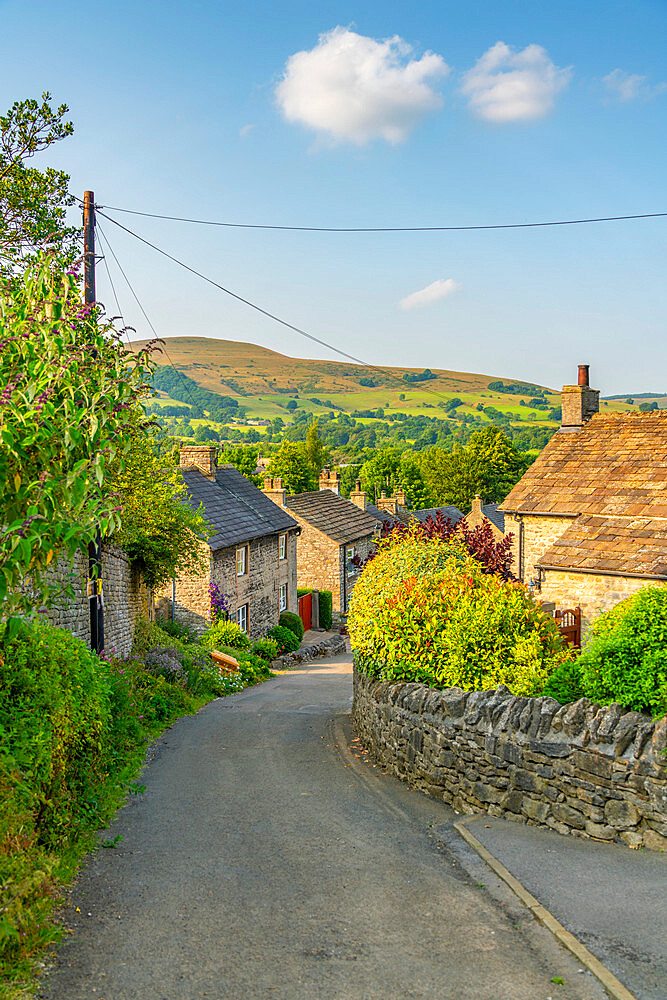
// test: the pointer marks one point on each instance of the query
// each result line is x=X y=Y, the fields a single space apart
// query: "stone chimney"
x=476 y=511
x=330 y=480
x=388 y=504
x=274 y=490
x=202 y=456
x=579 y=402
x=401 y=501
x=358 y=497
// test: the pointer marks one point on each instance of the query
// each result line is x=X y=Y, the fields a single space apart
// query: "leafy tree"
x=317 y=453
x=244 y=459
x=290 y=463
x=503 y=464
x=410 y=479
x=291 y=405
x=69 y=385
x=453 y=477
x=380 y=472
x=159 y=529
x=33 y=203
x=206 y=433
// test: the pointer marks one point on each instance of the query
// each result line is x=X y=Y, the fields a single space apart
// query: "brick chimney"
x=201 y=456
x=274 y=490
x=330 y=480
x=388 y=504
x=579 y=402
x=358 y=497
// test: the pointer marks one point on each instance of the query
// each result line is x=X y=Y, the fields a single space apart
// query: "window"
x=282 y=547
x=350 y=553
x=242 y=561
x=283 y=597
x=242 y=617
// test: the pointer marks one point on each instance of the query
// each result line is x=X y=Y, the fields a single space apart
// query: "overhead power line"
x=385 y=229
x=240 y=298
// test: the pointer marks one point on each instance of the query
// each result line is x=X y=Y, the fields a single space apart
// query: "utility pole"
x=95 y=597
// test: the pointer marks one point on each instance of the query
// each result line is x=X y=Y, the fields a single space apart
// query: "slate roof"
x=385 y=517
x=490 y=510
x=631 y=546
x=236 y=509
x=450 y=513
x=616 y=464
x=339 y=519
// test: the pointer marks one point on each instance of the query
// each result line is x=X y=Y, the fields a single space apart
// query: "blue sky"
x=377 y=114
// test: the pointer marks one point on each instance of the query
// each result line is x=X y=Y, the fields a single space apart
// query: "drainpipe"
x=344 y=602
x=173 y=598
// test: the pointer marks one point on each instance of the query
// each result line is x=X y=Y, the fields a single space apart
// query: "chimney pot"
x=583 y=375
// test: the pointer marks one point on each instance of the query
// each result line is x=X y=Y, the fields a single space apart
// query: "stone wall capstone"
x=580 y=769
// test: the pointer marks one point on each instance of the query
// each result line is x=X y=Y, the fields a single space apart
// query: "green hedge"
x=326 y=609
x=286 y=639
x=289 y=620
x=625 y=660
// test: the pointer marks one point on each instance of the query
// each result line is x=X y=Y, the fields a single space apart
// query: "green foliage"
x=225 y=633
x=177 y=630
x=289 y=620
x=285 y=638
x=68 y=386
x=565 y=683
x=626 y=660
x=291 y=465
x=159 y=529
x=33 y=203
x=326 y=609
x=266 y=649
x=489 y=465
x=424 y=611
x=244 y=459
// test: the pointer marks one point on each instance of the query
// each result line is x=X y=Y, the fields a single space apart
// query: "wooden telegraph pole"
x=95 y=596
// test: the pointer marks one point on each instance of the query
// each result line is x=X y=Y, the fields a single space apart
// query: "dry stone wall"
x=579 y=769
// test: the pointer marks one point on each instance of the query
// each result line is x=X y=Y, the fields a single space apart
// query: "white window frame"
x=282 y=600
x=242 y=551
x=350 y=553
x=242 y=617
x=282 y=546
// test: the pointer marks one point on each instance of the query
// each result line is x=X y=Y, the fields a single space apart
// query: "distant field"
x=264 y=381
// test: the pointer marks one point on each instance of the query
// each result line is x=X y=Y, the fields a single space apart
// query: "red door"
x=305 y=610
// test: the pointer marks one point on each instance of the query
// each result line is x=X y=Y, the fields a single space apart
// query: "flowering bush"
x=164 y=661
x=220 y=604
x=225 y=633
x=426 y=611
x=266 y=649
x=68 y=385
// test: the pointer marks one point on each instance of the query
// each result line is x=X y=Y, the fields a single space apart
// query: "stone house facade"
x=251 y=554
x=333 y=532
x=589 y=517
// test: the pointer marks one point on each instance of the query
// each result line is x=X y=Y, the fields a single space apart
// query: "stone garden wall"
x=578 y=769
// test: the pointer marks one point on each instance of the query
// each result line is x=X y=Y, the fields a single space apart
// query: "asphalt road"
x=266 y=860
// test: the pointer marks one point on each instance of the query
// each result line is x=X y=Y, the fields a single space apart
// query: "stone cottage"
x=251 y=554
x=333 y=532
x=589 y=517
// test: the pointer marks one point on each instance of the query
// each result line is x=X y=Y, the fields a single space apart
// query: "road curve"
x=265 y=860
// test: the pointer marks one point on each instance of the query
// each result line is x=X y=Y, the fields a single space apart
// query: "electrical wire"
x=103 y=239
x=385 y=229
x=264 y=312
x=186 y=387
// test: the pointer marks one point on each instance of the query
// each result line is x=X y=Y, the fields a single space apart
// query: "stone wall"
x=593 y=592
x=125 y=599
x=578 y=769
x=259 y=588
x=531 y=540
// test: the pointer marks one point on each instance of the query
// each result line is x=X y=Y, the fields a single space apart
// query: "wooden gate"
x=569 y=625
x=305 y=610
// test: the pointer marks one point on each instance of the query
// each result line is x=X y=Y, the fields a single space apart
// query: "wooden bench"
x=227 y=664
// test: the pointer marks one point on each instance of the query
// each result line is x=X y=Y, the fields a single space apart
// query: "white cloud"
x=245 y=130
x=630 y=86
x=508 y=86
x=439 y=289
x=355 y=89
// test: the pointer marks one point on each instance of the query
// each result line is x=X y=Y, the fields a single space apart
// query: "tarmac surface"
x=267 y=860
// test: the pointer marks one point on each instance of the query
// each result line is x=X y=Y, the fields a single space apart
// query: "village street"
x=266 y=860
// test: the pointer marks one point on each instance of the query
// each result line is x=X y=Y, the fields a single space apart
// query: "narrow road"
x=265 y=860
